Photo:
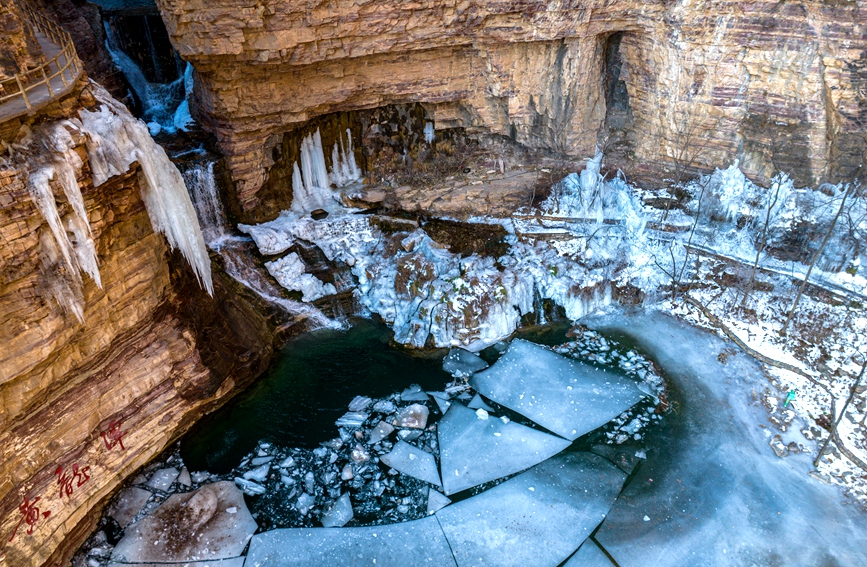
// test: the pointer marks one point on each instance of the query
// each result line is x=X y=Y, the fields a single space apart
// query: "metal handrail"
x=22 y=82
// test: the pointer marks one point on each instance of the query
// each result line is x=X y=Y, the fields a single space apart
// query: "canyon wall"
x=777 y=85
x=85 y=403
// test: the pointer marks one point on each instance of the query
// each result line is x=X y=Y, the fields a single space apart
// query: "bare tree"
x=849 y=189
x=764 y=240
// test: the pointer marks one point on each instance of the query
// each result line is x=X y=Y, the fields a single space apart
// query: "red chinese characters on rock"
x=30 y=515
x=65 y=480
x=113 y=436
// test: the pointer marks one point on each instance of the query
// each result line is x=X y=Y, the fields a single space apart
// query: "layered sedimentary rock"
x=776 y=85
x=19 y=51
x=84 y=402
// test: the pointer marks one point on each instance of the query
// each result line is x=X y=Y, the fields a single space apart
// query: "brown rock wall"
x=775 y=85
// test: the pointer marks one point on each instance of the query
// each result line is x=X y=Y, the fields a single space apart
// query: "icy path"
x=711 y=491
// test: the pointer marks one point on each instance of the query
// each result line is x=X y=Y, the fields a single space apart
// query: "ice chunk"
x=380 y=432
x=436 y=501
x=290 y=272
x=420 y=542
x=473 y=451
x=304 y=503
x=443 y=400
x=352 y=419
x=385 y=407
x=339 y=514
x=590 y=555
x=482 y=414
x=287 y=463
x=360 y=454
x=167 y=534
x=563 y=395
x=412 y=416
x=478 y=403
x=347 y=473
x=360 y=403
x=249 y=487
x=128 y=504
x=184 y=478
x=537 y=518
x=462 y=363
x=413 y=461
x=413 y=394
x=309 y=482
x=163 y=478
x=259 y=473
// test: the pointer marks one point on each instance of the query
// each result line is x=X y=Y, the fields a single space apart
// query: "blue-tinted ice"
x=420 y=542
x=563 y=395
x=536 y=518
x=413 y=461
x=473 y=450
x=590 y=555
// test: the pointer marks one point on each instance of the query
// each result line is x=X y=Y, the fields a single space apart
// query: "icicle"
x=115 y=141
x=429 y=133
x=344 y=170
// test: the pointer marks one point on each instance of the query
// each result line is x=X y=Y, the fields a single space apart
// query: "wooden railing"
x=65 y=65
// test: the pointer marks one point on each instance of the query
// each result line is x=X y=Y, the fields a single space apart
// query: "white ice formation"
x=115 y=140
x=311 y=181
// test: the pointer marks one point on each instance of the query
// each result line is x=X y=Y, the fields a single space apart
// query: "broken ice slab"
x=478 y=403
x=167 y=535
x=249 y=487
x=413 y=416
x=419 y=542
x=352 y=419
x=413 y=394
x=589 y=555
x=384 y=406
x=304 y=503
x=359 y=403
x=565 y=396
x=473 y=450
x=380 y=432
x=413 y=461
x=461 y=363
x=436 y=501
x=233 y=562
x=128 y=504
x=536 y=518
x=339 y=514
x=260 y=473
x=443 y=400
x=163 y=478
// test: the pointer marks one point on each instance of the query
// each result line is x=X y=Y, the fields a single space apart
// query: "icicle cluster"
x=311 y=182
x=114 y=141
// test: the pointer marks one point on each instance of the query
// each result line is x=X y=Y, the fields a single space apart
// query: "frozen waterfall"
x=311 y=182
x=114 y=141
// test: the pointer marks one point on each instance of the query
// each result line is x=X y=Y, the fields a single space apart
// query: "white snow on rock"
x=115 y=139
x=289 y=271
x=536 y=518
x=419 y=542
x=461 y=363
x=413 y=461
x=339 y=514
x=567 y=397
x=474 y=451
x=166 y=535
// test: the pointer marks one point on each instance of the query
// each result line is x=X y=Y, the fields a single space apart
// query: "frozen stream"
x=711 y=489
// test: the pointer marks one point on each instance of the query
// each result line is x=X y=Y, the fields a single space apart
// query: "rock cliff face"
x=695 y=84
x=85 y=403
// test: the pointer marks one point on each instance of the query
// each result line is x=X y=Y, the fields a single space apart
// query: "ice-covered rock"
x=461 y=363
x=436 y=501
x=474 y=451
x=380 y=432
x=291 y=273
x=419 y=542
x=565 y=396
x=194 y=526
x=536 y=518
x=413 y=416
x=339 y=514
x=163 y=478
x=413 y=461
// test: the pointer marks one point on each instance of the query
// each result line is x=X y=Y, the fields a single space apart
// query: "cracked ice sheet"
x=473 y=450
x=589 y=556
x=713 y=490
x=560 y=394
x=536 y=518
x=419 y=542
x=413 y=461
